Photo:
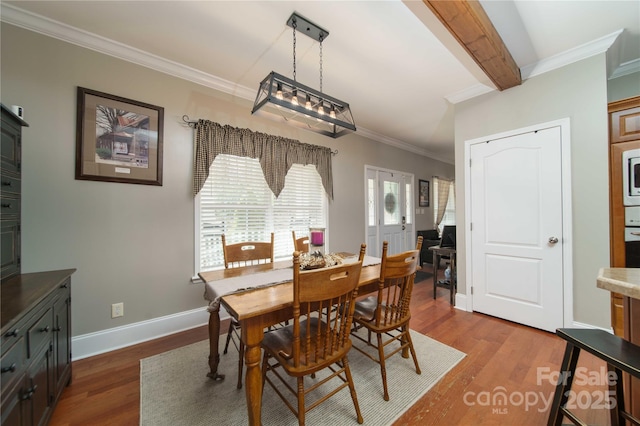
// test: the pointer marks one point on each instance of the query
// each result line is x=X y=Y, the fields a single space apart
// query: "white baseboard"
x=111 y=339
x=576 y=324
x=461 y=301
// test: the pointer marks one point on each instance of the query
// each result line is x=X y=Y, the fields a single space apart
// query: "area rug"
x=174 y=388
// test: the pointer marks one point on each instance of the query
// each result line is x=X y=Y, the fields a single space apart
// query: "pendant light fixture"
x=301 y=105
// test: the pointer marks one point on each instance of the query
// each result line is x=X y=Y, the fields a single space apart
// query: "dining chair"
x=317 y=339
x=247 y=253
x=236 y=256
x=387 y=314
x=300 y=244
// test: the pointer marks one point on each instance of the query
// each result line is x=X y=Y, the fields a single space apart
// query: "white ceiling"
x=392 y=61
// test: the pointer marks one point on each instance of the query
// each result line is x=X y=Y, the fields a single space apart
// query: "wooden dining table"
x=255 y=310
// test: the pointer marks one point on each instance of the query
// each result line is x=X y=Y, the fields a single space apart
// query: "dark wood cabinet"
x=36 y=345
x=36 y=307
x=10 y=192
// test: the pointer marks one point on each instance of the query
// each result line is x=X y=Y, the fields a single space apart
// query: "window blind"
x=236 y=200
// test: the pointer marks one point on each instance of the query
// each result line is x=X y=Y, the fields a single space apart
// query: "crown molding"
x=587 y=50
x=58 y=30
x=468 y=93
x=560 y=60
x=400 y=144
x=626 y=69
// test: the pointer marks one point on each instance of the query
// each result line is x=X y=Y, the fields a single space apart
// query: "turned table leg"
x=214 y=337
x=252 y=334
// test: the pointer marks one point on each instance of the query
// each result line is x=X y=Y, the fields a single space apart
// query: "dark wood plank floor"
x=502 y=380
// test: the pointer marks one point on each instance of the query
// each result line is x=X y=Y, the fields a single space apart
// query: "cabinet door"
x=61 y=339
x=11 y=143
x=12 y=405
x=625 y=125
x=10 y=250
x=37 y=397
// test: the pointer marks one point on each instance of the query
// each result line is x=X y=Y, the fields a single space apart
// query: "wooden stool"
x=619 y=354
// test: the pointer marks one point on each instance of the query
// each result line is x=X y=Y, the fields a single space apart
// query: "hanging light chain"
x=294 y=25
x=321 y=38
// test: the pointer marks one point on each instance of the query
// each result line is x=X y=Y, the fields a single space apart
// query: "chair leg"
x=229 y=331
x=240 y=363
x=301 y=412
x=616 y=389
x=413 y=351
x=563 y=387
x=265 y=367
x=383 y=369
x=352 y=389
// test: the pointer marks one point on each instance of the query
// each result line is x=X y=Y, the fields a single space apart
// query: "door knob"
x=553 y=240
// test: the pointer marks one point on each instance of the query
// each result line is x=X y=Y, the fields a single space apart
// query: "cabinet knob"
x=6 y=183
x=11 y=368
x=57 y=328
x=6 y=205
x=12 y=333
x=45 y=329
x=28 y=393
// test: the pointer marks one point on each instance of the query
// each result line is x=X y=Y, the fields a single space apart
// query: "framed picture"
x=423 y=194
x=118 y=139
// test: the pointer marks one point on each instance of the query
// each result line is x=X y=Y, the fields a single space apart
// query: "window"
x=449 y=216
x=235 y=200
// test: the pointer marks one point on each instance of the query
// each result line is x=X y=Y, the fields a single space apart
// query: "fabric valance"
x=276 y=154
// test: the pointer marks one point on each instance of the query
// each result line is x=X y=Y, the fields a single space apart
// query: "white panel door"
x=516 y=228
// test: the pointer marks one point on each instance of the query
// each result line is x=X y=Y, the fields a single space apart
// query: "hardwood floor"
x=503 y=359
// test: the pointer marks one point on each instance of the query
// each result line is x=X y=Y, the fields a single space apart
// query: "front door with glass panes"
x=389 y=211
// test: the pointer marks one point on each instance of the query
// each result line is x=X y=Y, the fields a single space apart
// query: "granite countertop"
x=625 y=281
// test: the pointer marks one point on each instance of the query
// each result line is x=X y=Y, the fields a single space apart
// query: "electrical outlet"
x=117 y=310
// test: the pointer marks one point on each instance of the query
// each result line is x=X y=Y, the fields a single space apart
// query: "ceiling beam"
x=467 y=21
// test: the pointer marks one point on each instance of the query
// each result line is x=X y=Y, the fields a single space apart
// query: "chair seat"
x=365 y=309
x=280 y=344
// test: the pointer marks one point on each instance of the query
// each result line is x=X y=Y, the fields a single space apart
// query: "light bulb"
x=308 y=104
x=320 y=109
x=279 y=92
x=294 y=97
x=332 y=113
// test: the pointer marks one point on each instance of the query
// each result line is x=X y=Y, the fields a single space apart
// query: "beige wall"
x=135 y=243
x=578 y=92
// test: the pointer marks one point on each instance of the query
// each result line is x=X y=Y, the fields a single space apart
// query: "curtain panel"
x=276 y=154
x=443 y=186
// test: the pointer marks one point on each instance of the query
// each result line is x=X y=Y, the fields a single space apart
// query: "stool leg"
x=616 y=389
x=563 y=387
x=436 y=264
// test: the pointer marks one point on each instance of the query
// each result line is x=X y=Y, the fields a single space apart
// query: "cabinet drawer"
x=10 y=184
x=12 y=362
x=39 y=334
x=9 y=206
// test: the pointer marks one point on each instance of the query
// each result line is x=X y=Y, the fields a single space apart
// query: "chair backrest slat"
x=300 y=244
